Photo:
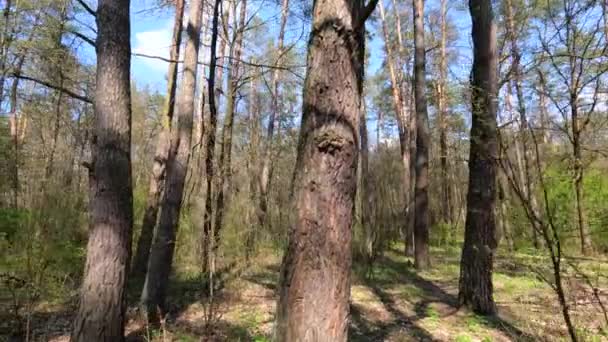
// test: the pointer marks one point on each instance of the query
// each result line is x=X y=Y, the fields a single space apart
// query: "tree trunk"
x=364 y=193
x=254 y=141
x=421 y=227
x=101 y=312
x=157 y=178
x=475 y=287
x=315 y=277
x=446 y=190
x=226 y=146
x=523 y=152
x=399 y=109
x=577 y=180
x=161 y=255
x=267 y=163
x=505 y=224
x=4 y=45
x=210 y=140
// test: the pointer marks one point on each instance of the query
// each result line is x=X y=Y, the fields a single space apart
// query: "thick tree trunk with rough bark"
x=475 y=287
x=161 y=255
x=315 y=277
x=421 y=226
x=101 y=312
x=157 y=178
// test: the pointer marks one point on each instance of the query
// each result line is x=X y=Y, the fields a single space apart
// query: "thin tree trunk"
x=578 y=178
x=101 y=312
x=275 y=112
x=411 y=217
x=364 y=193
x=475 y=287
x=224 y=164
x=254 y=140
x=505 y=224
x=210 y=147
x=398 y=101
x=4 y=45
x=161 y=255
x=421 y=227
x=524 y=160
x=446 y=190
x=315 y=277
x=157 y=178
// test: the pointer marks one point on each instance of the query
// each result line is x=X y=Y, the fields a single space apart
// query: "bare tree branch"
x=55 y=87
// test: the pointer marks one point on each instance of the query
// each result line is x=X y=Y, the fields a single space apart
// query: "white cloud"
x=154 y=43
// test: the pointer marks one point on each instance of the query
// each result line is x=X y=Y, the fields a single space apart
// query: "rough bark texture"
x=315 y=277
x=161 y=255
x=421 y=226
x=101 y=313
x=157 y=178
x=475 y=288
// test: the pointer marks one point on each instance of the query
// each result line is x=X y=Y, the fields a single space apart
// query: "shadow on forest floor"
x=395 y=303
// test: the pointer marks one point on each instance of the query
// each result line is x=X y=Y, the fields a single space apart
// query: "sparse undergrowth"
x=395 y=303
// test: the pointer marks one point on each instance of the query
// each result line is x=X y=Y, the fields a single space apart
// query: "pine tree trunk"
x=315 y=277
x=421 y=226
x=254 y=141
x=577 y=180
x=398 y=107
x=267 y=163
x=224 y=164
x=364 y=193
x=157 y=178
x=475 y=287
x=210 y=140
x=101 y=312
x=161 y=255
x=446 y=190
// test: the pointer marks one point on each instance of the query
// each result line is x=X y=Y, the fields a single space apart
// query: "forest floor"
x=395 y=303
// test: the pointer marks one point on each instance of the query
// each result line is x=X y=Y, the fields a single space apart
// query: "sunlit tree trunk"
x=275 y=112
x=395 y=73
x=475 y=287
x=253 y=161
x=101 y=311
x=157 y=178
x=315 y=278
x=421 y=226
x=446 y=190
x=224 y=162
x=161 y=255
x=210 y=132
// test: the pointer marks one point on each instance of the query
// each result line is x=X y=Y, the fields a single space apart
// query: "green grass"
x=463 y=338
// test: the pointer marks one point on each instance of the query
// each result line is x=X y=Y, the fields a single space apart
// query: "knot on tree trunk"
x=330 y=142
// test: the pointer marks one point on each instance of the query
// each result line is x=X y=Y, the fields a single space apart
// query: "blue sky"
x=151 y=34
